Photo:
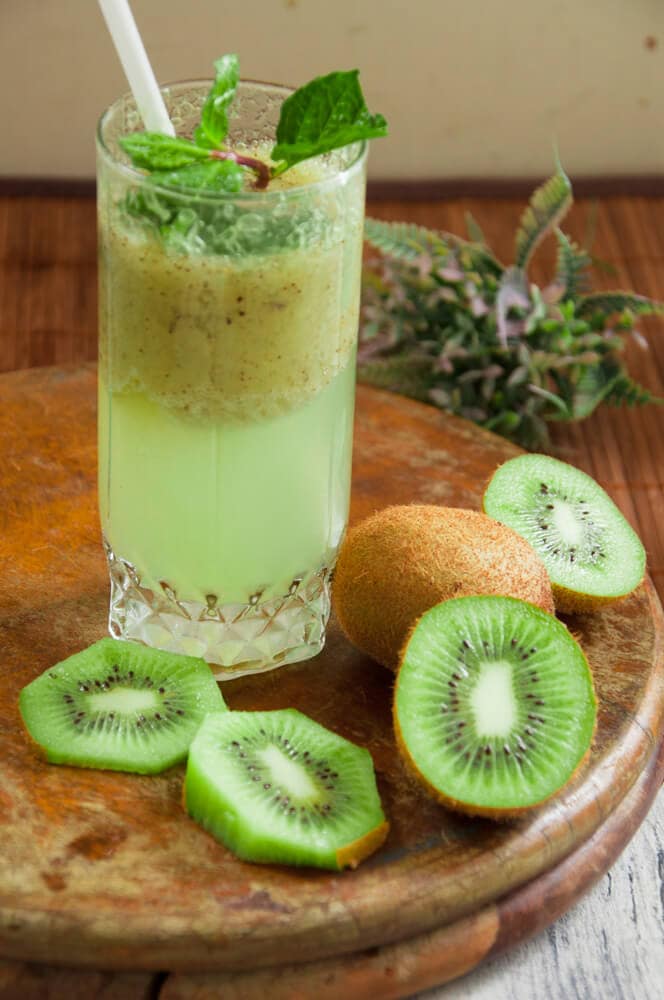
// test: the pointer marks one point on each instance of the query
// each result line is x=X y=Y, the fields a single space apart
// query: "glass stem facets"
x=235 y=639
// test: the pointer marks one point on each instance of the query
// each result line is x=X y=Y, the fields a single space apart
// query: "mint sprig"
x=326 y=114
x=181 y=163
x=213 y=128
x=212 y=175
x=154 y=151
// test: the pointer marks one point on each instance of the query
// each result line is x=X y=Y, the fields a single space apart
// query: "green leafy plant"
x=445 y=322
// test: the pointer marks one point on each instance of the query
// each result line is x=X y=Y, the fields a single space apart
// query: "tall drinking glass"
x=228 y=328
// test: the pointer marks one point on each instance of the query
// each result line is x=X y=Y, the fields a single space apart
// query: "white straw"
x=130 y=49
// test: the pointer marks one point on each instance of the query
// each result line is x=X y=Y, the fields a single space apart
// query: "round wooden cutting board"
x=105 y=870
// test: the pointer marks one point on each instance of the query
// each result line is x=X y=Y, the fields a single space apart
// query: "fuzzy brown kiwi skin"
x=456 y=805
x=446 y=566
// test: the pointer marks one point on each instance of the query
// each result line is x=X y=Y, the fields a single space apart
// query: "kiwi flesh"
x=494 y=707
x=278 y=787
x=405 y=559
x=120 y=706
x=593 y=556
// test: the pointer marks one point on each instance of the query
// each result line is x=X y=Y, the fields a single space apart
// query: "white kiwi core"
x=494 y=706
x=125 y=700
x=288 y=774
x=567 y=523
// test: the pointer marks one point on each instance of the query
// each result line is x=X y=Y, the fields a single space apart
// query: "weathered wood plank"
x=23 y=981
x=610 y=946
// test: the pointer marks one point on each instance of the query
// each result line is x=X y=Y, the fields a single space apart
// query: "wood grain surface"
x=102 y=869
x=48 y=315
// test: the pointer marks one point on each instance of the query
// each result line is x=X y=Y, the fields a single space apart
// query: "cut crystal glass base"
x=235 y=639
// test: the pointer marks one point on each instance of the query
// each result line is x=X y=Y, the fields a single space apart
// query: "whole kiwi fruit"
x=403 y=560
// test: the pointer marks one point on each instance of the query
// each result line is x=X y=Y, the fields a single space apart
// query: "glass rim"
x=134 y=174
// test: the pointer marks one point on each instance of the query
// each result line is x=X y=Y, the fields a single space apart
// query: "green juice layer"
x=225 y=508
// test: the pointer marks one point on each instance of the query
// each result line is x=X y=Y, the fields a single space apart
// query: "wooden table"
x=612 y=944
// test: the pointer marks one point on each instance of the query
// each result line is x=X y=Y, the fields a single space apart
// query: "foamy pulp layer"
x=243 y=336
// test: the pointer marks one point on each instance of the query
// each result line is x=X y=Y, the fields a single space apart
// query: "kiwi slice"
x=120 y=706
x=278 y=787
x=494 y=706
x=591 y=553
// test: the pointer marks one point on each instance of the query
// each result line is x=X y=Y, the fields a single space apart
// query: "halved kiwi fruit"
x=591 y=553
x=494 y=706
x=279 y=787
x=120 y=706
x=401 y=561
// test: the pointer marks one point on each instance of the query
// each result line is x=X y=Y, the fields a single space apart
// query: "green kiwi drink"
x=226 y=394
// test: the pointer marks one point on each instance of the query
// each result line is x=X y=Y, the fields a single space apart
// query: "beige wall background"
x=470 y=89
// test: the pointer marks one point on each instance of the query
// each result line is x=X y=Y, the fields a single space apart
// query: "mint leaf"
x=214 y=117
x=210 y=175
x=154 y=151
x=326 y=114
